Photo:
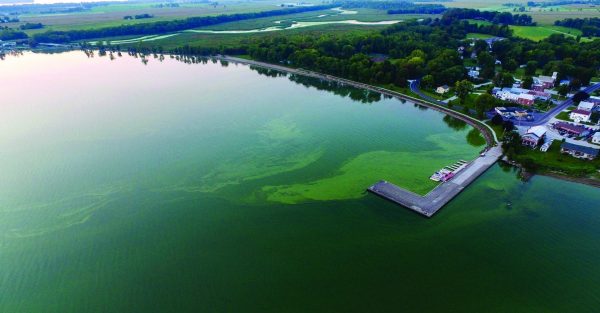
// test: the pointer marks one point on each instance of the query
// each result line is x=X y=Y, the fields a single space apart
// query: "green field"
x=478 y=36
x=535 y=33
x=538 y=33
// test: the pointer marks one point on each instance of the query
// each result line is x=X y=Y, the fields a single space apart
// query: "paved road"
x=546 y=117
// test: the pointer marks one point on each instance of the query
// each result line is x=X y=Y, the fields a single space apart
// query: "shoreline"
x=488 y=133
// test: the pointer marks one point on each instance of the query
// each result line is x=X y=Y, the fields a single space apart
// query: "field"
x=112 y=14
x=538 y=33
x=478 y=36
x=543 y=16
x=535 y=33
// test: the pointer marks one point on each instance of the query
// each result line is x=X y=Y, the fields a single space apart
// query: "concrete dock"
x=431 y=203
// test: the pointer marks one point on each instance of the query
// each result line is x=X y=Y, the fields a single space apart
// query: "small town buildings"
x=593 y=99
x=546 y=81
x=534 y=136
x=571 y=129
x=525 y=99
x=541 y=95
x=586 y=106
x=442 y=89
x=580 y=116
x=580 y=152
x=511 y=112
x=596 y=138
x=520 y=95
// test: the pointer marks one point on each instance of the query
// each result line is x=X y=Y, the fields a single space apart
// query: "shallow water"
x=177 y=187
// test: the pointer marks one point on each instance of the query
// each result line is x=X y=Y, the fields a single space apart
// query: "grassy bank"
x=554 y=161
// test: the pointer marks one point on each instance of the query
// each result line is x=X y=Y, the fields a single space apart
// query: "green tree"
x=527 y=82
x=463 y=89
x=484 y=103
x=531 y=67
x=427 y=81
x=563 y=90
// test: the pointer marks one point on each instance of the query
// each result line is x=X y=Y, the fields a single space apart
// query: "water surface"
x=173 y=187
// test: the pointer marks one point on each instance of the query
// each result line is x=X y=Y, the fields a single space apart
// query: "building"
x=593 y=99
x=570 y=129
x=546 y=146
x=510 y=112
x=596 y=138
x=442 y=89
x=541 y=95
x=580 y=116
x=526 y=99
x=534 y=136
x=580 y=152
x=474 y=73
x=505 y=94
x=586 y=106
x=547 y=82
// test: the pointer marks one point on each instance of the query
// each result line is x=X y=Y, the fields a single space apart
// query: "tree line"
x=590 y=27
x=505 y=18
x=11 y=34
x=395 y=7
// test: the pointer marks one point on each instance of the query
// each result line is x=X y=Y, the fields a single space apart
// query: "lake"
x=209 y=187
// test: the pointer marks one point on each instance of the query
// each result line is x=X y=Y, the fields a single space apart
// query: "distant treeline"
x=162 y=26
x=138 y=16
x=544 y=4
x=589 y=27
x=505 y=18
x=11 y=34
x=396 y=7
x=31 y=26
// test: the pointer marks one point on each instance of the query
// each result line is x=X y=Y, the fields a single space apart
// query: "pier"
x=431 y=203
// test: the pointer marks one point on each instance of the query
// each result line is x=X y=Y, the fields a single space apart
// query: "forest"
x=505 y=18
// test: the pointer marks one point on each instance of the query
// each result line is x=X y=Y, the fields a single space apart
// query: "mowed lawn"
x=537 y=33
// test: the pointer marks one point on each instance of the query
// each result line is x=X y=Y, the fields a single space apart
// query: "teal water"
x=173 y=187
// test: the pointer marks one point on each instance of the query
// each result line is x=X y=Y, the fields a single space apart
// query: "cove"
x=222 y=188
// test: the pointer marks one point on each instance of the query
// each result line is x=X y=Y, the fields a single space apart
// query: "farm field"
x=538 y=33
x=112 y=14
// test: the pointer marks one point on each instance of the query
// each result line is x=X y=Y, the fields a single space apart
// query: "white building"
x=442 y=89
x=596 y=138
x=585 y=106
x=580 y=116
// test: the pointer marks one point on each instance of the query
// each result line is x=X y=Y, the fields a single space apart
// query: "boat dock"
x=431 y=203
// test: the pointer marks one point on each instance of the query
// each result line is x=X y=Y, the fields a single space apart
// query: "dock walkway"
x=431 y=203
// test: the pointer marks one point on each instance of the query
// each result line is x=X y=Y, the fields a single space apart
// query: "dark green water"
x=200 y=188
